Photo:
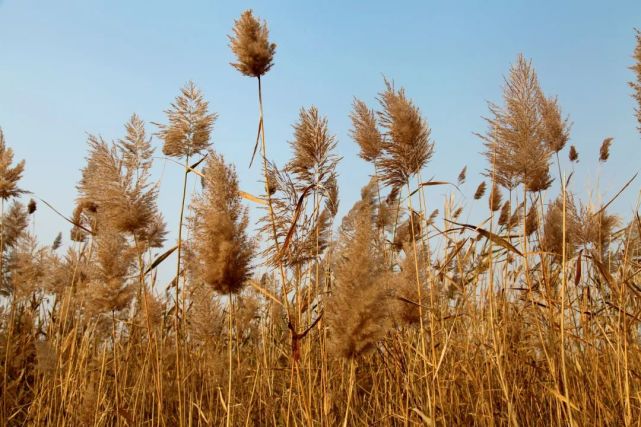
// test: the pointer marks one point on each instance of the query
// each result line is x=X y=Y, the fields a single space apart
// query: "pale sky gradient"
x=68 y=68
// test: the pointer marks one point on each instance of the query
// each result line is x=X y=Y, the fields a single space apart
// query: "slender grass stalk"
x=352 y=367
x=177 y=317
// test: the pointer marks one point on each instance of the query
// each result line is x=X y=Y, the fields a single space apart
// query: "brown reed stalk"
x=636 y=85
x=186 y=135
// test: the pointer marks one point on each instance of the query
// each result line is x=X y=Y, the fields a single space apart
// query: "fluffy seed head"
x=480 y=190
x=407 y=146
x=313 y=161
x=223 y=251
x=190 y=124
x=494 y=201
x=516 y=142
x=9 y=176
x=365 y=131
x=358 y=312
x=556 y=129
x=604 y=150
x=250 y=43
x=462 y=175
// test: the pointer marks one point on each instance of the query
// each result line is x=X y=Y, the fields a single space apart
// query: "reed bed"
x=400 y=313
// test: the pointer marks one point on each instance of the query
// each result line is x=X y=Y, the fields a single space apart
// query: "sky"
x=71 y=68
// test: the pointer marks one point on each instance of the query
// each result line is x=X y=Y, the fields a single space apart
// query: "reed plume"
x=406 y=144
x=32 y=206
x=516 y=144
x=480 y=190
x=604 y=150
x=595 y=230
x=365 y=131
x=357 y=312
x=219 y=225
x=26 y=266
x=15 y=222
x=310 y=172
x=313 y=162
x=109 y=289
x=462 y=176
x=494 y=201
x=9 y=175
x=114 y=186
x=531 y=220
x=552 y=241
x=250 y=43
x=555 y=128
x=190 y=123
x=504 y=216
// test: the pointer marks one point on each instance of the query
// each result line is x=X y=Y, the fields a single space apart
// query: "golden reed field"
x=396 y=314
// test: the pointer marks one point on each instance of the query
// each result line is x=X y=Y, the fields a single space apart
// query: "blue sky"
x=68 y=68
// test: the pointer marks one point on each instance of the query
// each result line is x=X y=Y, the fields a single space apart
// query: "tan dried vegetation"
x=399 y=316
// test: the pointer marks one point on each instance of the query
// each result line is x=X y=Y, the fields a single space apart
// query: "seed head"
x=250 y=43
x=9 y=176
x=604 y=151
x=365 y=131
x=190 y=124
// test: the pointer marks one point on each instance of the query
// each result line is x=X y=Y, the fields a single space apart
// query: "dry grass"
x=402 y=317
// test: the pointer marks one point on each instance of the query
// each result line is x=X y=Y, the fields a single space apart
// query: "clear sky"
x=68 y=68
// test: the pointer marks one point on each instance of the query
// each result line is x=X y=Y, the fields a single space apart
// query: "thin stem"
x=177 y=306
x=229 y=350
x=349 y=390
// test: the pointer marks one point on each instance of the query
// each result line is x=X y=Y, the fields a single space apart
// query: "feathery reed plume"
x=365 y=131
x=480 y=190
x=357 y=311
x=311 y=171
x=604 y=150
x=219 y=224
x=555 y=129
x=552 y=241
x=190 y=124
x=531 y=220
x=515 y=144
x=386 y=212
x=313 y=162
x=114 y=183
x=595 y=229
x=504 y=216
x=31 y=206
x=494 y=201
x=57 y=242
x=14 y=226
x=27 y=267
x=406 y=145
x=636 y=85
x=462 y=176
x=9 y=176
x=410 y=228
x=250 y=43
x=207 y=319
x=573 y=155
x=15 y=222
x=406 y=307
x=83 y=218
x=516 y=217
x=108 y=289
x=432 y=217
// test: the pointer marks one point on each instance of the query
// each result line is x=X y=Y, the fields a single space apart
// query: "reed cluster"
x=400 y=315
